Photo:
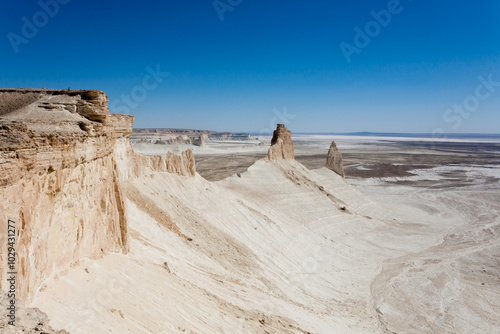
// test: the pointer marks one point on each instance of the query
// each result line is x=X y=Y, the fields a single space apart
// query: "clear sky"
x=318 y=66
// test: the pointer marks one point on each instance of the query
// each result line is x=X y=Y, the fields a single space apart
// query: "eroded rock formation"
x=180 y=140
x=281 y=144
x=200 y=141
x=334 y=160
x=60 y=173
x=132 y=165
x=58 y=181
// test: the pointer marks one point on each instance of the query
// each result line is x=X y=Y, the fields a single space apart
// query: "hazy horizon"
x=415 y=134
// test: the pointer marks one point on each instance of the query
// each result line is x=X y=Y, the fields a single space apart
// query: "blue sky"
x=267 y=62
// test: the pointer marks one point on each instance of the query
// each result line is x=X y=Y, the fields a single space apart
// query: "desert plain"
x=407 y=243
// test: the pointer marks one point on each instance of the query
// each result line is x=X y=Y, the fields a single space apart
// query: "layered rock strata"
x=60 y=179
x=59 y=182
x=281 y=144
x=132 y=165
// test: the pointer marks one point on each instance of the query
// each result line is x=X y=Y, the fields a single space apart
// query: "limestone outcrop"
x=334 y=160
x=281 y=144
x=60 y=179
x=183 y=140
x=200 y=141
x=133 y=165
x=28 y=320
x=59 y=182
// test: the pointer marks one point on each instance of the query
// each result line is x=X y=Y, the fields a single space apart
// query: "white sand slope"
x=281 y=249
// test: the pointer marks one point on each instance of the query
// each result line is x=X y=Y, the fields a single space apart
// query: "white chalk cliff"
x=111 y=241
x=60 y=181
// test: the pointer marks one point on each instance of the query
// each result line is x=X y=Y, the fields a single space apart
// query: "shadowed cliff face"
x=281 y=144
x=60 y=181
x=334 y=160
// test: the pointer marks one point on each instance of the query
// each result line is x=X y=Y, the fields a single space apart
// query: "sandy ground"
x=280 y=248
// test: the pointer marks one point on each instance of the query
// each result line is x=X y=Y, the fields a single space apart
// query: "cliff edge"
x=61 y=166
x=58 y=180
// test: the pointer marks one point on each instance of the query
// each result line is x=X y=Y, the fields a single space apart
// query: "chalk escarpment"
x=132 y=165
x=60 y=179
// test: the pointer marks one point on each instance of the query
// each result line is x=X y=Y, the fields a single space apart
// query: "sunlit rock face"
x=60 y=181
x=132 y=165
x=281 y=144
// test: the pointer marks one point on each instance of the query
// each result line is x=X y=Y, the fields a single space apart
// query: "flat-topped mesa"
x=334 y=160
x=44 y=131
x=60 y=179
x=281 y=144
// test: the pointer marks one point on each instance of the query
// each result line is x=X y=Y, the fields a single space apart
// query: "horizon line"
x=358 y=133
